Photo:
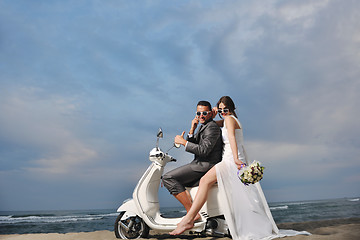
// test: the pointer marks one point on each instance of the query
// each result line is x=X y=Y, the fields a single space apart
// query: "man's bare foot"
x=182 y=227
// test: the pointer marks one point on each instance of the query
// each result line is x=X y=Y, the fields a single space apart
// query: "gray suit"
x=207 y=146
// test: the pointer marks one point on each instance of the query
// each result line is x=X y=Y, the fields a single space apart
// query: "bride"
x=245 y=208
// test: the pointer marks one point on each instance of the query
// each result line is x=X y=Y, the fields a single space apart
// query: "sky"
x=85 y=85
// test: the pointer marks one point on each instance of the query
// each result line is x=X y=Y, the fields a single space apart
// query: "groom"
x=207 y=146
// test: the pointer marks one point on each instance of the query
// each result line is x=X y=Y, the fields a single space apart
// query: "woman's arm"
x=231 y=125
x=220 y=122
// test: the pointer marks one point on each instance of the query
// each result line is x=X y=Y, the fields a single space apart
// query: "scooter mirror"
x=160 y=133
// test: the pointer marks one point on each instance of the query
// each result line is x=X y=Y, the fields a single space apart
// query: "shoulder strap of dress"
x=237 y=121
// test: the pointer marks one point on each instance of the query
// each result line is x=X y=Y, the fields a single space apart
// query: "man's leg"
x=185 y=199
x=176 y=180
x=206 y=183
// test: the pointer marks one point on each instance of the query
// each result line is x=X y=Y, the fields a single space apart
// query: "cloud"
x=46 y=123
x=72 y=155
x=84 y=88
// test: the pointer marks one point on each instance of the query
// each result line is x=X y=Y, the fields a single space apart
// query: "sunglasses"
x=203 y=113
x=225 y=110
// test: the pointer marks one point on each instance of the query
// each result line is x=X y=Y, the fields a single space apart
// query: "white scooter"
x=142 y=213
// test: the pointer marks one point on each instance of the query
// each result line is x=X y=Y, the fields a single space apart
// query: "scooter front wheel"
x=130 y=228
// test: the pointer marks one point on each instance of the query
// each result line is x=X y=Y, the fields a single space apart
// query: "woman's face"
x=222 y=110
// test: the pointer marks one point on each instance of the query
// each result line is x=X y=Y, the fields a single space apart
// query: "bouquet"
x=251 y=174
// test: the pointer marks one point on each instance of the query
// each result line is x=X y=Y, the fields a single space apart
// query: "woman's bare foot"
x=197 y=217
x=183 y=226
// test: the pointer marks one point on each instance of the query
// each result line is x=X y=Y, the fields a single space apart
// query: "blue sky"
x=84 y=86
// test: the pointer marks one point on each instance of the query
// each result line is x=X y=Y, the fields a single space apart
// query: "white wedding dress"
x=245 y=208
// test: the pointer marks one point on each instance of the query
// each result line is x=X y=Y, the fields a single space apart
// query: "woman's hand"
x=214 y=111
x=239 y=164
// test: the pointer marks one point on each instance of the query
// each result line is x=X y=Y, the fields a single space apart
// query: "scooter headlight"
x=161 y=155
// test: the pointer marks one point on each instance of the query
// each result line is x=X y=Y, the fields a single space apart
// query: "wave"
x=47 y=220
x=302 y=202
x=33 y=215
x=354 y=200
x=279 y=207
x=51 y=218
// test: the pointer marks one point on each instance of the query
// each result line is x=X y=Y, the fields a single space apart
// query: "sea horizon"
x=96 y=209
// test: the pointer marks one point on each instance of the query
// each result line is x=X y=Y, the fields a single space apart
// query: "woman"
x=245 y=209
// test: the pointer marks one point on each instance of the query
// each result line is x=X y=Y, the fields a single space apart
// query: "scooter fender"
x=129 y=208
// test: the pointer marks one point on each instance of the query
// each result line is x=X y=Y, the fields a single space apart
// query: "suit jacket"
x=207 y=145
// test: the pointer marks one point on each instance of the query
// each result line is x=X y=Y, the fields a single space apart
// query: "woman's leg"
x=205 y=183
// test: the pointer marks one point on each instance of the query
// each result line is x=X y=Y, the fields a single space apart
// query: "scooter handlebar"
x=170 y=158
x=156 y=155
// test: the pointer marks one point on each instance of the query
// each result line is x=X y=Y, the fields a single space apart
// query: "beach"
x=339 y=229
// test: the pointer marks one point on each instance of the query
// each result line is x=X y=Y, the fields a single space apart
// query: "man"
x=207 y=146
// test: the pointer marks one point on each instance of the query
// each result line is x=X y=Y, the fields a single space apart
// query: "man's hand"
x=179 y=139
x=194 y=124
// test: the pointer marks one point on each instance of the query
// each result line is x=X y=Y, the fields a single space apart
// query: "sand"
x=339 y=229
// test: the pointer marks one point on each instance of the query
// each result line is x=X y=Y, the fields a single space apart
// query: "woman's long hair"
x=229 y=104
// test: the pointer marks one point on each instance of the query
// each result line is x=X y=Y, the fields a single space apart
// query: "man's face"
x=202 y=109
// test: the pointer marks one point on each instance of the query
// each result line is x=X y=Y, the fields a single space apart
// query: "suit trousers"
x=177 y=179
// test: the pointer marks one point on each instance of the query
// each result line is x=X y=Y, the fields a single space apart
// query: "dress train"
x=245 y=208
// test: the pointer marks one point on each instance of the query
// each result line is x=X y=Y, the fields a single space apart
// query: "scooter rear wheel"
x=130 y=228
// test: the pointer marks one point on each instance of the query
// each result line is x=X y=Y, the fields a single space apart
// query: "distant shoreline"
x=344 y=228
x=351 y=199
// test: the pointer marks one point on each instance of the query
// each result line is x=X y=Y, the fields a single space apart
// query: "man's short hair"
x=204 y=103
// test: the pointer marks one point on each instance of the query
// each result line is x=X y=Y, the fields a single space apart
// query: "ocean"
x=22 y=222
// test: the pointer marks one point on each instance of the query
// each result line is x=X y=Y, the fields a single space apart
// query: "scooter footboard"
x=162 y=224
